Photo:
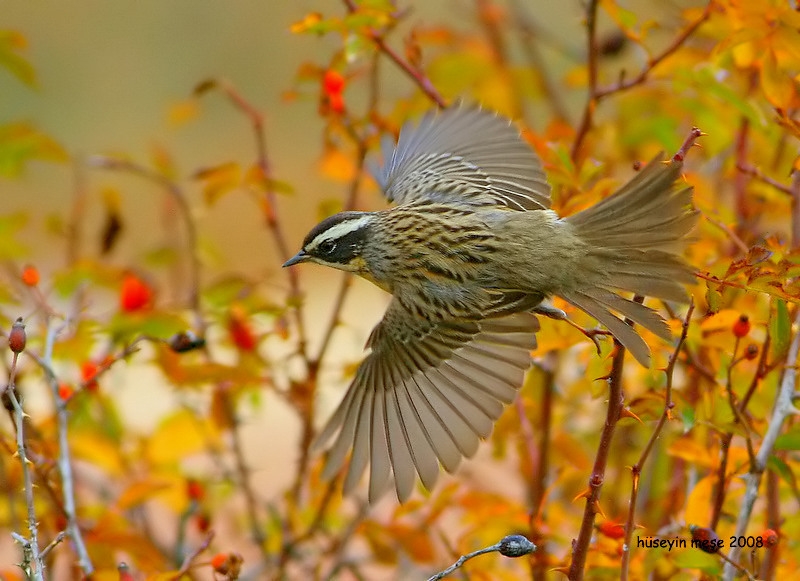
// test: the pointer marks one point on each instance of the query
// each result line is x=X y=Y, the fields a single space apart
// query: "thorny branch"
x=33 y=562
x=636 y=469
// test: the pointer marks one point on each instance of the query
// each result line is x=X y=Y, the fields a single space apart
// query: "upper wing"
x=464 y=155
x=426 y=394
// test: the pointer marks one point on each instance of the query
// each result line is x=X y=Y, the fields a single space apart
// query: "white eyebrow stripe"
x=340 y=230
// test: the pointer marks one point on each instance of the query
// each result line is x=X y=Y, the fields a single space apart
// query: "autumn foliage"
x=596 y=462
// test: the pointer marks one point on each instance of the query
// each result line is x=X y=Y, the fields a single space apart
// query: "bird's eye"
x=327 y=247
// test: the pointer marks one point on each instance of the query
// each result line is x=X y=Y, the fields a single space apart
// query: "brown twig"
x=528 y=34
x=177 y=194
x=187 y=562
x=616 y=397
x=415 y=74
x=591 y=65
x=666 y=415
x=597 y=94
x=270 y=200
x=761 y=176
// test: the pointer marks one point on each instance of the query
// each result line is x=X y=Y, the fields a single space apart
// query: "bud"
x=16 y=338
x=705 y=539
x=515 y=546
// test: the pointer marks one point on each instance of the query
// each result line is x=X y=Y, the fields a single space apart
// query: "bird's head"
x=337 y=242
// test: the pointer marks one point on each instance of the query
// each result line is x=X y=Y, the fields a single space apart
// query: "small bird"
x=469 y=253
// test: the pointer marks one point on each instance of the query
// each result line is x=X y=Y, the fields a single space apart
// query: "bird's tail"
x=635 y=239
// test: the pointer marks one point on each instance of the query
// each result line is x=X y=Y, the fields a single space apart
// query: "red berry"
x=705 y=539
x=17 y=338
x=30 y=276
x=65 y=391
x=135 y=294
x=332 y=82
x=742 y=326
x=751 y=352
x=770 y=538
x=195 y=490
x=89 y=371
x=240 y=330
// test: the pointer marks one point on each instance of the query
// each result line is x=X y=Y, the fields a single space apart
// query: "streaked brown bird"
x=469 y=253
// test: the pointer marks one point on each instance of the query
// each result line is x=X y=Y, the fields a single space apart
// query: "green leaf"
x=713 y=299
x=783 y=470
x=11 y=42
x=21 y=143
x=10 y=226
x=788 y=441
x=780 y=329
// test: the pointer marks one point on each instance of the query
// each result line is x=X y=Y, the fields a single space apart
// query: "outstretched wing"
x=465 y=155
x=425 y=395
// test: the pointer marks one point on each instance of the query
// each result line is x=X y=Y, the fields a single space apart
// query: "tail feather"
x=634 y=240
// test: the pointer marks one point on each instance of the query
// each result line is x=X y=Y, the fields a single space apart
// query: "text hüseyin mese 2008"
x=707 y=545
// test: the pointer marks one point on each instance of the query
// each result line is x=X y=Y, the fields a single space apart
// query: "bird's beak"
x=297 y=259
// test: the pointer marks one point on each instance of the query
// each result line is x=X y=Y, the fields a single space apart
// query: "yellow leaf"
x=178 y=436
x=309 y=21
x=698 y=505
x=219 y=180
x=92 y=447
x=778 y=86
x=337 y=165
x=140 y=492
x=182 y=112
x=692 y=452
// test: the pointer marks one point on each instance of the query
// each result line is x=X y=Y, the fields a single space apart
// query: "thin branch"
x=64 y=460
x=591 y=65
x=784 y=407
x=270 y=200
x=528 y=34
x=666 y=415
x=415 y=74
x=510 y=546
x=671 y=48
x=187 y=562
x=177 y=194
x=597 y=94
x=761 y=176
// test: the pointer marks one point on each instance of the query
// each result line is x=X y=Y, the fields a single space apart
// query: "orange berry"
x=219 y=562
x=17 y=338
x=751 y=352
x=770 y=538
x=89 y=371
x=65 y=391
x=742 y=326
x=30 y=275
x=332 y=82
x=135 y=294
